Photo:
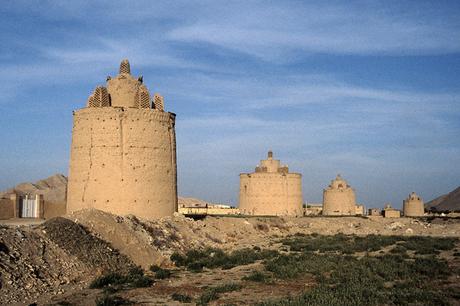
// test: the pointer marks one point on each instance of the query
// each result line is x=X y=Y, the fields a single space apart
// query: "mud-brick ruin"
x=123 y=154
x=271 y=190
x=339 y=199
x=413 y=206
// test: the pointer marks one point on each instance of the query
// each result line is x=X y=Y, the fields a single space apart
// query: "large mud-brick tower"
x=123 y=155
x=413 y=206
x=339 y=199
x=271 y=190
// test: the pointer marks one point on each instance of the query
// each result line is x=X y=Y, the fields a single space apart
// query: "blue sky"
x=366 y=89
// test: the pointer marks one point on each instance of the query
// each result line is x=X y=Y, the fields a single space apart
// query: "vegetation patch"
x=429 y=245
x=183 y=298
x=258 y=276
x=160 y=273
x=389 y=279
x=347 y=269
x=399 y=249
x=346 y=244
x=196 y=260
x=109 y=300
x=212 y=293
x=350 y=244
x=135 y=278
x=64 y=303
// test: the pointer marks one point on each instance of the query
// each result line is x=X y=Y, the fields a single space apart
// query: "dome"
x=126 y=90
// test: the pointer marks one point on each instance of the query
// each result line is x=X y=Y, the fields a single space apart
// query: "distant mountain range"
x=450 y=201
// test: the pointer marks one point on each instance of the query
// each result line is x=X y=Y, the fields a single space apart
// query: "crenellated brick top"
x=125 y=91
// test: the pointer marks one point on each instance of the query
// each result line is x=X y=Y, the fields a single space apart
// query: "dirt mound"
x=52 y=258
x=94 y=252
x=447 y=202
x=148 y=242
x=30 y=265
x=127 y=234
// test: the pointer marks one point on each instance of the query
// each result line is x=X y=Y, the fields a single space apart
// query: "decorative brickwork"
x=144 y=97
x=125 y=67
x=91 y=102
x=101 y=96
x=158 y=102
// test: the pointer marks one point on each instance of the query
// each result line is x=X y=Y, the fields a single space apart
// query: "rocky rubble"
x=30 y=264
x=92 y=251
x=50 y=259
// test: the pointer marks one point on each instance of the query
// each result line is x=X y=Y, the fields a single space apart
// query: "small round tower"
x=339 y=199
x=271 y=190
x=413 y=206
x=123 y=154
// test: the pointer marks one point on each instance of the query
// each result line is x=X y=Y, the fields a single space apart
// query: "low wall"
x=208 y=211
x=6 y=209
x=52 y=210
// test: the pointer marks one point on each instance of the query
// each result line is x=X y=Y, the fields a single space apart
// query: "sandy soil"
x=152 y=242
x=56 y=260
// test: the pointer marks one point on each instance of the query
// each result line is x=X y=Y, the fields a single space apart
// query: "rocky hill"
x=450 y=202
x=191 y=202
x=194 y=202
x=52 y=188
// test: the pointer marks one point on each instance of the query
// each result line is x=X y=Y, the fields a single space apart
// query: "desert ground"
x=95 y=258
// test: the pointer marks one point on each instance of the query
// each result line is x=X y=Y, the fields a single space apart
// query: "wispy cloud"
x=109 y=51
x=239 y=93
x=272 y=32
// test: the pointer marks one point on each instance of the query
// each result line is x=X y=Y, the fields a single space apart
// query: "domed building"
x=339 y=199
x=271 y=190
x=413 y=206
x=123 y=153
